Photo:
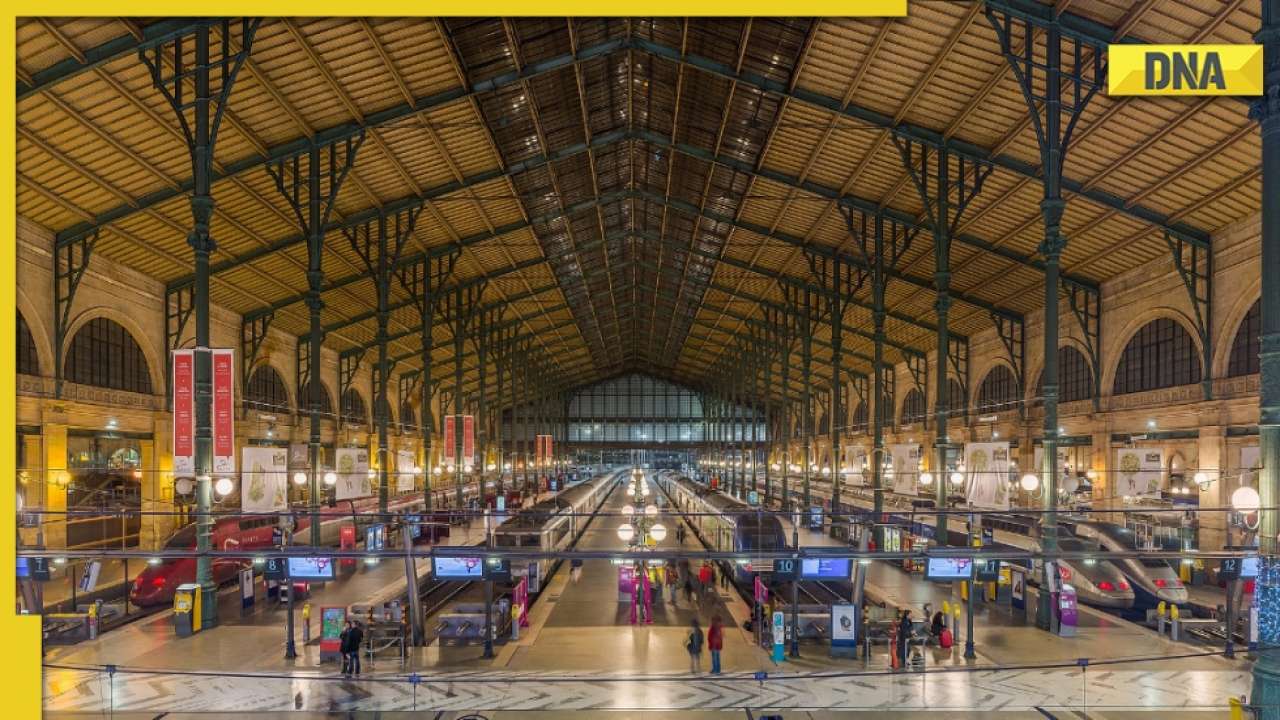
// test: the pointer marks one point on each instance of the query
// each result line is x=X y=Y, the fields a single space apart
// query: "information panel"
x=947 y=569
x=470 y=568
x=310 y=568
x=184 y=417
x=826 y=568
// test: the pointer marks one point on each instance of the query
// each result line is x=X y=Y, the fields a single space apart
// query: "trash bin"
x=186 y=610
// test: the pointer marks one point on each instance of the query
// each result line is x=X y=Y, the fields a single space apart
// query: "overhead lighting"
x=956 y=477
x=658 y=532
x=330 y=478
x=1030 y=482
x=299 y=478
x=926 y=478
x=1245 y=499
x=626 y=532
x=223 y=486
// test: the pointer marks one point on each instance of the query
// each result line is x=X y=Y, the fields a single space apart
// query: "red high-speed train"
x=156 y=584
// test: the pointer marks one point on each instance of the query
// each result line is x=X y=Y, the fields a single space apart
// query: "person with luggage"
x=694 y=645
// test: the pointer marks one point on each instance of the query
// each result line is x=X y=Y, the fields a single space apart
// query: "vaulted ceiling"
x=635 y=192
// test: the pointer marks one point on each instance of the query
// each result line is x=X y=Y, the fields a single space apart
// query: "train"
x=553 y=524
x=724 y=522
x=1154 y=581
x=156 y=584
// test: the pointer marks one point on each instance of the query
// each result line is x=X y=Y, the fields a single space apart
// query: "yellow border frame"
x=20 y=665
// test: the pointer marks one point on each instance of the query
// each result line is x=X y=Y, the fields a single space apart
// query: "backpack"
x=694 y=645
x=945 y=639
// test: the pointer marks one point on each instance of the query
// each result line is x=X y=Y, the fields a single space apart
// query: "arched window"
x=28 y=359
x=104 y=354
x=391 y=418
x=304 y=400
x=860 y=418
x=266 y=391
x=353 y=408
x=956 y=401
x=1160 y=355
x=913 y=407
x=998 y=391
x=1075 y=379
x=886 y=408
x=1246 y=345
x=824 y=424
x=407 y=421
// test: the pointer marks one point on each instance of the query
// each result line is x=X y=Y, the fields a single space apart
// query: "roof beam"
x=924 y=135
x=351 y=129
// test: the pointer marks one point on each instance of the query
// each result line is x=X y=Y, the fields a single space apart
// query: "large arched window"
x=998 y=391
x=1075 y=379
x=304 y=400
x=407 y=421
x=391 y=417
x=956 y=401
x=104 y=354
x=913 y=407
x=28 y=359
x=353 y=408
x=1246 y=345
x=266 y=391
x=1160 y=355
x=860 y=418
x=824 y=423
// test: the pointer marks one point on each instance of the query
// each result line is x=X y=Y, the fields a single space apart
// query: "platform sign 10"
x=786 y=568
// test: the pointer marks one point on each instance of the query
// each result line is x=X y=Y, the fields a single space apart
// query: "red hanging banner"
x=184 y=416
x=537 y=451
x=449 y=450
x=224 y=431
x=468 y=438
x=546 y=454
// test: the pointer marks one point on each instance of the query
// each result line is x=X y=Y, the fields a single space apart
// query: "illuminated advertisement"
x=310 y=568
x=945 y=569
x=469 y=568
x=826 y=568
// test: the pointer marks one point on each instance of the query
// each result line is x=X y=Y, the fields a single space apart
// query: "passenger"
x=936 y=627
x=904 y=635
x=694 y=646
x=715 y=642
x=356 y=638
x=669 y=574
x=688 y=585
x=704 y=578
x=575 y=569
x=344 y=647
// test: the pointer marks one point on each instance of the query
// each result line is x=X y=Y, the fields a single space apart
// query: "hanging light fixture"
x=299 y=478
x=626 y=532
x=1030 y=482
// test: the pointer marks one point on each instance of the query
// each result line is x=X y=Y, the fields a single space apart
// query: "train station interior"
x=640 y=367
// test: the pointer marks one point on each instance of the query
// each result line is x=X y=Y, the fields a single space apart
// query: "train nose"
x=147 y=590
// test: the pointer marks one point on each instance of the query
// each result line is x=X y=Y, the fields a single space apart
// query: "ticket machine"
x=186 y=610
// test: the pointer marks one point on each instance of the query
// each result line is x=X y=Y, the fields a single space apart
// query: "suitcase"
x=945 y=639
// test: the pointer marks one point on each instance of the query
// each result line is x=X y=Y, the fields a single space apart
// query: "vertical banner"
x=537 y=451
x=404 y=470
x=224 y=408
x=353 y=474
x=468 y=439
x=449 y=441
x=854 y=458
x=906 y=468
x=184 y=415
x=987 y=470
x=264 y=484
x=1139 y=471
x=547 y=453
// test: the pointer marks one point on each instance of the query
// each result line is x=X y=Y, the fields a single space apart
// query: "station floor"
x=581 y=654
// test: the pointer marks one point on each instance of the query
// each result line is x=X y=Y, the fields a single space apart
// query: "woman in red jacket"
x=715 y=642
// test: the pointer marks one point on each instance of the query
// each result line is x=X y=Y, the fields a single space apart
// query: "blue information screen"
x=949 y=569
x=469 y=568
x=310 y=568
x=826 y=568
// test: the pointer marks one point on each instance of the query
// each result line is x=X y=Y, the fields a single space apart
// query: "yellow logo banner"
x=1184 y=70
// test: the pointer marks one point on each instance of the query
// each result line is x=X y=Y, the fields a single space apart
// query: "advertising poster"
x=404 y=471
x=1250 y=463
x=264 y=482
x=353 y=474
x=224 y=411
x=855 y=459
x=299 y=455
x=468 y=439
x=311 y=568
x=1138 y=471
x=184 y=413
x=986 y=468
x=469 y=568
x=844 y=623
x=906 y=468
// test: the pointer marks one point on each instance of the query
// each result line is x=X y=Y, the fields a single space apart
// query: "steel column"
x=1266 y=671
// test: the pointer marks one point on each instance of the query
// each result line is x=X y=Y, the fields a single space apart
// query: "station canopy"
x=638 y=193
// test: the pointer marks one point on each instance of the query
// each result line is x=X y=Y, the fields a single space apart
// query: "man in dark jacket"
x=344 y=647
x=355 y=638
x=904 y=637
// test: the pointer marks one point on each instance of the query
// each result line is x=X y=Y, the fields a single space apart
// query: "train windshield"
x=184 y=539
x=1095 y=570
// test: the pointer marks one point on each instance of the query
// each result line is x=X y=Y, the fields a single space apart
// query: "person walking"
x=344 y=647
x=694 y=646
x=715 y=643
x=704 y=578
x=670 y=578
x=688 y=586
x=904 y=637
x=575 y=569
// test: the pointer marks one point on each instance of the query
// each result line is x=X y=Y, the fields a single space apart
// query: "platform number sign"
x=277 y=569
x=987 y=570
x=786 y=568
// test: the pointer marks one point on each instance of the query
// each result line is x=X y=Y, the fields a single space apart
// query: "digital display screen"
x=310 y=568
x=826 y=568
x=949 y=569
x=469 y=568
x=24 y=570
x=1249 y=568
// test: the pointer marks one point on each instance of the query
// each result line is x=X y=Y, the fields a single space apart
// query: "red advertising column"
x=184 y=417
x=224 y=433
